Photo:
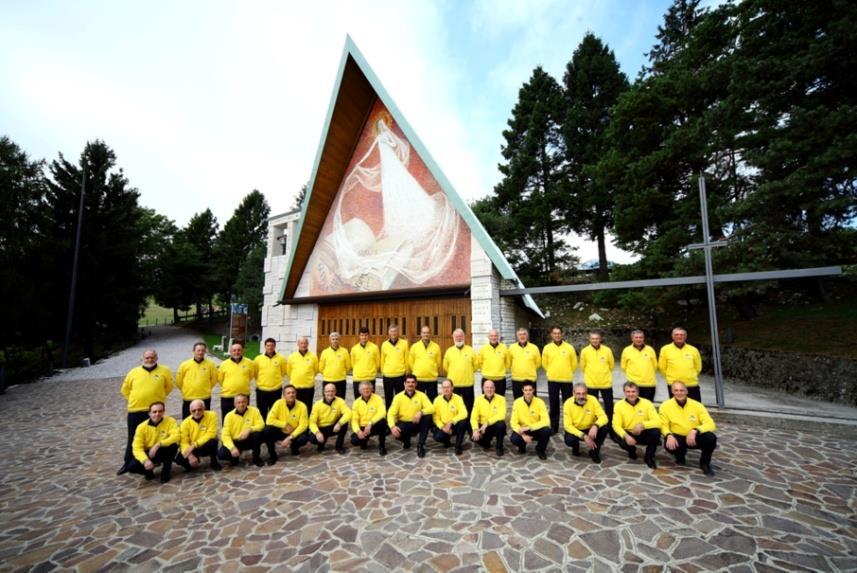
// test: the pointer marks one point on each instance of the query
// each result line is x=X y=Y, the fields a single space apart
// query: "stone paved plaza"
x=770 y=507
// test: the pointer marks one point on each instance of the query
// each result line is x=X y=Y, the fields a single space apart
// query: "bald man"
x=198 y=437
x=301 y=368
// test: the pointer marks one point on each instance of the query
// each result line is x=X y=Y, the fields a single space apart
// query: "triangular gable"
x=357 y=92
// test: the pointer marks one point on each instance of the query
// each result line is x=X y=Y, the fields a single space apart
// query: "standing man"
x=680 y=362
x=409 y=415
x=424 y=361
x=450 y=417
x=334 y=364
x=242 y=430
x=525 y=361
x=234 y=376
x=530 y=422
x=368 y=418
x=329 y=416
x=286 y=425
x=394 y=364
x=639 y=363
x=488 y=419
x=685 y=423
x=301 y=368
x=460 y=363
x=636 y=421
x=198 y=438
x=155 y=442
x=494 y=361
x=365 y=360
x=142 y=387
x=195 y=379
x=560 y=361
x=270 y=370
x=584 y=419
x=596 y=361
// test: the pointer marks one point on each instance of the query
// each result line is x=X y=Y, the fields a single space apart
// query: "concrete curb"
x=841 y=427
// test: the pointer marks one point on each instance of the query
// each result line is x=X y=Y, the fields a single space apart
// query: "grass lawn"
x=251 y=347
x=155 y=315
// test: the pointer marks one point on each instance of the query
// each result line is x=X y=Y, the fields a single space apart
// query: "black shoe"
x=522 y=450
x=149 y=475
x=123 y=469
x=458 y=450
x=258 y=462
x=651 y=463
x=542 y=455
x=215 y=465
x=421 y=451
x=235 y=462
x=182 y=461
x=272 y=460
x=364 y=445
x=595 y=456
x=382 y=451
x=706 y=469
x=680 y=462
x=447 y=445
x=296 y=452
x=340 y=450
x=320 y=448
x=575 y=451
x=406 y=445
x=165 y=476
x=500 y=452
x=632 y=454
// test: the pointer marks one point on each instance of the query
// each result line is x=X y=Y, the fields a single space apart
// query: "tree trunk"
x=176 y=319
x=603 y=271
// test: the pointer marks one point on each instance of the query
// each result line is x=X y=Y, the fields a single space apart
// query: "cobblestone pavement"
x=770 y=507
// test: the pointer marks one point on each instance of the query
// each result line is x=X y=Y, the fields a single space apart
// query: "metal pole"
x=712 y=302
x=74 y=269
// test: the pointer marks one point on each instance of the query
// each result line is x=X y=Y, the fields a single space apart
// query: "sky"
x=205 y=101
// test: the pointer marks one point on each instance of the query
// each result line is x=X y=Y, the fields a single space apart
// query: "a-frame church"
x=382 y=237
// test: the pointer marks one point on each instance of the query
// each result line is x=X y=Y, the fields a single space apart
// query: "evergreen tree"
x=245 y=230
x=299 y=198
x=201 y=236
x=251 y=282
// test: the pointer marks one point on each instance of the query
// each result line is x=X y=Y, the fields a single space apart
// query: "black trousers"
x=307 y=396
x=164 y=455
x=186 y=407
x=227 y=405
x=466 y=393
x=458 y=430
x=558 y=393
x=209 y=449
x=410 y=429
x=273 y=434
x=518 y=388
x=429 y=388
x=542 y=436
x=706 y=442
x=647 y=392
x=574 y=442
x=496 y=430
x=606 y=397
x=253 y=442
x=265 y=400
x=692 y=392
x=134 y=420
x=392 y=386
x=648 y=438
x=340 y=387
x=380 y=429
x=355 y=384
x=326 y=432
x=499 y=385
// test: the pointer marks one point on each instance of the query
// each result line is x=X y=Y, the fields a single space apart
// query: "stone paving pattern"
x=770 y=507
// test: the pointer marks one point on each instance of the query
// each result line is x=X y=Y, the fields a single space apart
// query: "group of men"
x=286 y=416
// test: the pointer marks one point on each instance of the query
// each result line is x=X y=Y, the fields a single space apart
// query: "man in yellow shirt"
x=450 y=417
x=329 y=416
x=365 y=361
x=680 y=362
x=530 y=421
x=334 y=364
x=559 y=361
x=368 y=418
x=270 y=370
x=685 y=423
x=234 y=376
x=424 y=361
x=525 y=360
x=409 y=415
x=584 y=419
x=195 y=379
x=144 y=385
x=242 y=430
x=488 y=419
x=494 y=361
x=155 y=442
x=198 y=438
x=301 y=368
x=639 y=363
x=460 y=363
x=394 y=364
x=286 y=425
x=636 y=422
x=596 y=361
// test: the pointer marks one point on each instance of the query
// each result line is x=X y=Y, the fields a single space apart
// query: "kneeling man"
x=286 y=425
x=242 y=430
x=198 y=437
x=685 y=423
x=329 y=416
x=155 y=442
x=488 y=419
x=450 y=417
x=530 y=421
x=584 y=419
x=635 y=421
x=368 y=418
x=410 y=414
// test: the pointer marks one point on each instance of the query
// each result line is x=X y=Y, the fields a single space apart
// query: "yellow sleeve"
x=126 y=386
x=172 y=434
x=377 y=361
x=428 y=407
x=462 y=411
x=515 y=422
x=573 y=361
x=544 y=421
x=697 y=361
x=168 y=384
x=654 y=359
x=617 y=424
x=184 y=435
x=662 y=361
x=653 y=420
x=610 y=359
x=355 y=419
x=538 y=358
x=275 y=415
x=221 y=375
x=706 y=423
x=411 y=358
x=665 y=420
x=568 y=418
x=381 y=414
x=446 y=360
x=353 y=358
x=584 y=358
x=436 y=418
x=313 y=418
x=180 y=374
x=322 y=362
x=138 y=447
x=346 y=415
x=508 y=359
x=258 y=422
x=437 y=357
x=546 y=356
x=347 y=361
x=226 y=434
x=391 y=413
x=474 y=416
x=210 y=434
x=623 y=360
x=283 y=365
x=303 y=423
x=600 y=415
